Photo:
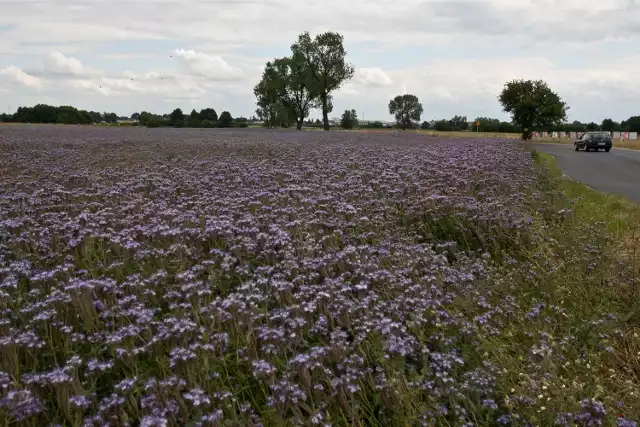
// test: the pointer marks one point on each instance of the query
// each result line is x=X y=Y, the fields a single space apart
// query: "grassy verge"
x=578 y=346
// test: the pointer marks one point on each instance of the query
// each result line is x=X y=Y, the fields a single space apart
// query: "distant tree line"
x=205 y=118
x=491 y=125
x=43 y=113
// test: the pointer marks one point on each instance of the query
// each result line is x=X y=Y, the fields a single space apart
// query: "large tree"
x=325 y=57
x=532 y=104
x=405 y=108
x=290 y=81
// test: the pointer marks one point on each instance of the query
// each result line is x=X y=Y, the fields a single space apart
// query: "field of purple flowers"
x=220 y=278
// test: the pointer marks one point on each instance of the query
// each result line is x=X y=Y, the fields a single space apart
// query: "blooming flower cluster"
x=199 y=277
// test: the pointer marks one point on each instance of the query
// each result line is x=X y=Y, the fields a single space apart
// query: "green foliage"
x=267 y=100
x=193 y=122
x=459 y=123
x=349 y=119
x=96 y=117
x=425 y=125
x=208 y=114
x=324 y=56
x=493 y=125
x=225 y=119
x=110 y=117
x=156 y=122
x=532 y=103
x=176 y=119
x=206 y=123
x=406 y=109
x=286 y=82
x=609 y=125
x=43 y=113
x=144 y=118
x=443 y=126
x=632 y=124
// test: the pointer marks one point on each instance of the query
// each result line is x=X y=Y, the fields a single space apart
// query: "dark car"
x=594 y=141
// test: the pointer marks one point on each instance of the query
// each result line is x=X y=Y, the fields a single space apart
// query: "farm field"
x=255 y=277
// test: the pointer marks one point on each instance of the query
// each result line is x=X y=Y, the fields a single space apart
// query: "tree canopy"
x=176 y=118
x=349 y=119
x=208 y=114
x=406 y=109
x=286 y=86
x=325 y=57
x=225 y=119
x=532 y=103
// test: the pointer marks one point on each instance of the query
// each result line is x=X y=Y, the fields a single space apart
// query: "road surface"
x=616 y=172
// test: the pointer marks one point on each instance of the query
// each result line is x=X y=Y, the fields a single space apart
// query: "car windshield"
x=600 y=135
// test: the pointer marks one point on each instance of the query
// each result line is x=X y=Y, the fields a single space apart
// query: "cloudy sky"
x=455 y=55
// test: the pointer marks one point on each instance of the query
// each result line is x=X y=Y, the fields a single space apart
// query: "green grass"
x=586 y=275
x=590 y=206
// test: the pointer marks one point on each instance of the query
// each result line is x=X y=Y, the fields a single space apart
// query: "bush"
x=240 y=125
x=193 y=122
x=156 y=122
x=209 y=124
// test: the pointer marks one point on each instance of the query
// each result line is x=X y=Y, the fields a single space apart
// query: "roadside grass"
x=580 y=340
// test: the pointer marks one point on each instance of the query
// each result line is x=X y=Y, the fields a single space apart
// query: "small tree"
x=144 y=118
x=225 y=119
x=349 y=119
x=405 y=108
x=426 y=125
x=176 y=118
x=532 y=104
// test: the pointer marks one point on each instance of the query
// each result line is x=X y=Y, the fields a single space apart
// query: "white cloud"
x=372 y=77
x=16 y=75
x=207 y=66
x=219 y=50
x=59 y=63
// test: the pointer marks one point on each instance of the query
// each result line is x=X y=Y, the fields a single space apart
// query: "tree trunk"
x=325 y=112
x=299 y=123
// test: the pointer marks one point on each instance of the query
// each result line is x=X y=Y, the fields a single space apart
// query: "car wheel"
x=596 y=149
x=607 y=149
x=587 y=148
x=577 y=147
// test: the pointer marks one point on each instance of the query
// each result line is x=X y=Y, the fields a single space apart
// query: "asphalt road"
x=617 y=171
